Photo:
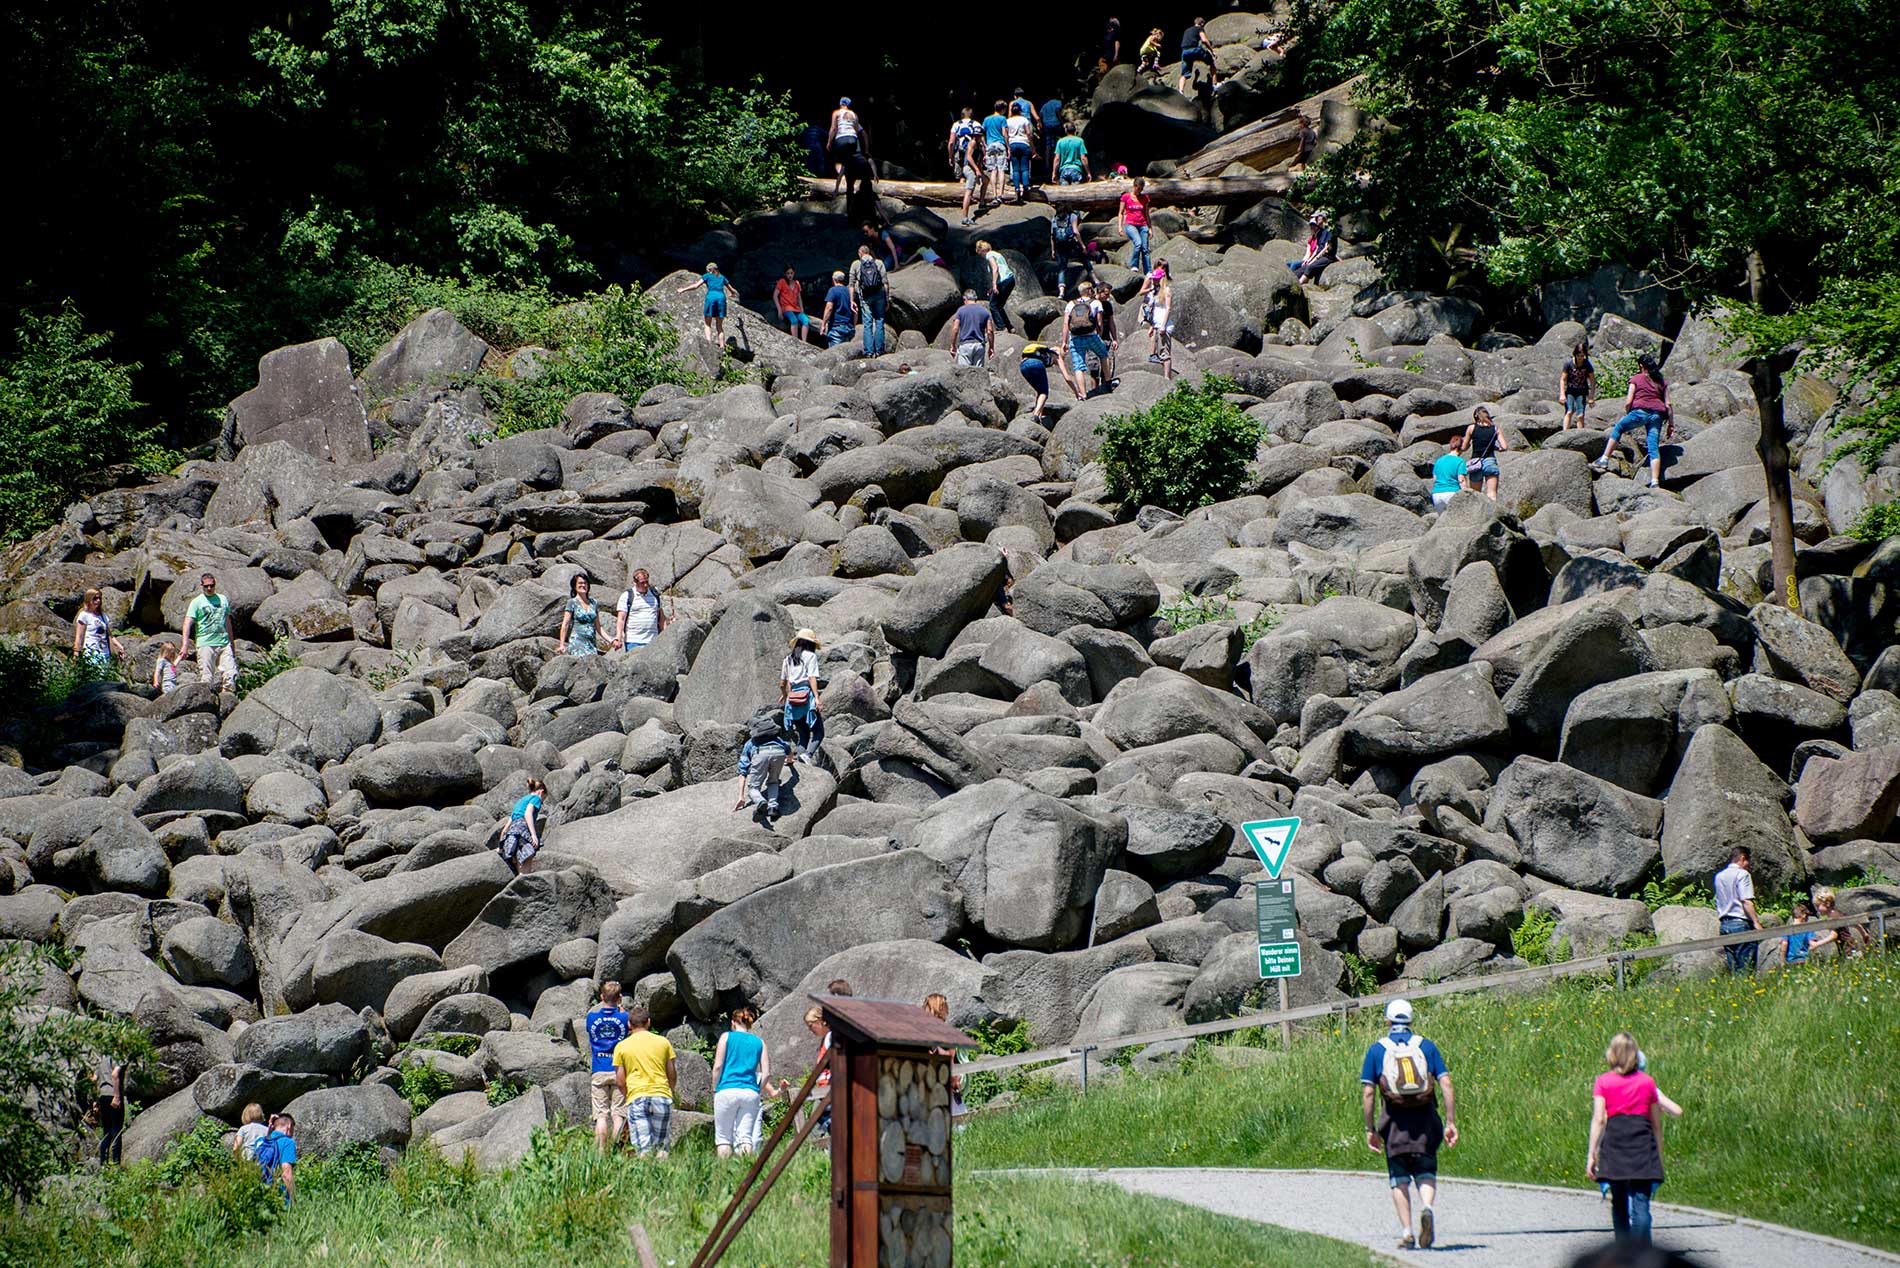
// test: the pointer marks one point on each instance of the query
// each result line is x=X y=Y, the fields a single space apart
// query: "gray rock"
x=526 y=1057
x=1026 y=864
x=305 y=398
x=468 y=1014
x=1022 y=658
x=1047 y=990
x=1447 y=712
x=1489 y=915
x=434 y=349
x=206 y=951
x=1171 y=841
x=1592 y=647
x=152 y=1133
x=411 y=998
x=202 y=781
x=1794 y=648
x=224 y=1090
x=1460 y=957
x=309 y=710
x=329 y=1039
x=1851 y=797
x=525 y=921
x=359 y=970
x=1588 y=923
x=1351 y=521
x=1123 y=904
x=759 y=948
x=1061 y=594
x=330 y=1120
x=1575 y=829
x=951 y=588
x=1134 y=999
x=1722 y=798
x=1229 y=983
x=1630 y=730
x=1420 y=919
x=407 y=772
x=499 y=1137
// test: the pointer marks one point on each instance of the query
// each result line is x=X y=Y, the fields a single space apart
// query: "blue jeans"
x=1079 y=348
x=839 y=334
x=1742 y=954
x=1019 y=175
x=1138 y=259
x=1629 y=1210
x=1574 y=405
x=804 y=727
x=1649 y=421
x=872 y=309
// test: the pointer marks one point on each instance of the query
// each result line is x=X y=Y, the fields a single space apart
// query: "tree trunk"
x=1094 y=196
x=1764 y=374
x=1263 y=143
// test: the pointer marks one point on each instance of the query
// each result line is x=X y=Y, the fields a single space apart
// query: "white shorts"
x=737 y=1119
x=1442 y=500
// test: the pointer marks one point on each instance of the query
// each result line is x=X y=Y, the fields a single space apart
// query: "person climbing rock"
x=1196 y=47
x=844 y=139
x=713 y=312
x=1002 y=281
x=1647 y=404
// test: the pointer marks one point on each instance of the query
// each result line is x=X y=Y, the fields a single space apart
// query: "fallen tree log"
x=1093 y=196
x=1266 y=142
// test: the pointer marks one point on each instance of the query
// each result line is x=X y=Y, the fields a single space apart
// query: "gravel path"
x=1480 y=1224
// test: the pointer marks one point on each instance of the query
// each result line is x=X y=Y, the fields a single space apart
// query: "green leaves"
x=1191 y=449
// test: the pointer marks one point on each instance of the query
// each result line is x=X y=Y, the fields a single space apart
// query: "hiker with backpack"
x=798 y=696
x=1081 y=337
x=639 y=618
x=1065 y=244
x=1069 y=163
x=521 y=840
x=1483 y=443
x=1399 y=1083
x=761 y=766
x=277 y=1156
x=870 y=295
x=970 y=168
x=1626 y=1138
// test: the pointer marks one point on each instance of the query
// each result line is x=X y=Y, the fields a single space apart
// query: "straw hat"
x=807 y=635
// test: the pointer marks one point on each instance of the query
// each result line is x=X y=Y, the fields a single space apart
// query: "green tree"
x=66 y=412
x=1192 y=448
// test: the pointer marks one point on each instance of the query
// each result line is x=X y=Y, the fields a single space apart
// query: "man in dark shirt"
x=1409 y=1131
x=839 y=322
x=976 y=331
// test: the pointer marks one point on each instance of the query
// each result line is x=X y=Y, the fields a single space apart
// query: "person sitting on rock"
x=761 y=764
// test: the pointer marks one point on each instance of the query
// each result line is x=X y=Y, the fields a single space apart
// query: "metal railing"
x=1612 y=960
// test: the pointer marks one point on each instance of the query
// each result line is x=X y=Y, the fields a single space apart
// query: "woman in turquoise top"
x=521 y=841
x=741 y=1067
x=718 y=289
x=579 y=620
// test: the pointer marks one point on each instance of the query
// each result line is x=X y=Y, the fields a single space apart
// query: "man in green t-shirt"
x=1070 y=163
x=210 y=617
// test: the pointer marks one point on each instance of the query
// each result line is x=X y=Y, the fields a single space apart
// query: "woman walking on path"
x=798 y=694
x=1626 y=1139
x=1648 y=406
x=92 y=633
x=1483 y=443
x=1157 y=306
x=1002 y=282
x=521 y=841
x=1133 y=219
x=741 y=1071
x=718 y=290
x=579 y=619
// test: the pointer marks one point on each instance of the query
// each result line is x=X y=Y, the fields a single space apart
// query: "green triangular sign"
x=1272 y=840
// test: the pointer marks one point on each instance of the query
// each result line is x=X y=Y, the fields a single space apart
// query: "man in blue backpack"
x=761 y=764
x=1405 y=1072
x=277 y=1156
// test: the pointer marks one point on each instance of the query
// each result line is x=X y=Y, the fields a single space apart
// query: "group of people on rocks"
x=634 y=1077
x=207 y=625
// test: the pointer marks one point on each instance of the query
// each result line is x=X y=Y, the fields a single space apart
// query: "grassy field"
x=567 y=1205
x=1790 y=1111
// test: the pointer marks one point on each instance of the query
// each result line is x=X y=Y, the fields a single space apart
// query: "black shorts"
x=1404 y=1169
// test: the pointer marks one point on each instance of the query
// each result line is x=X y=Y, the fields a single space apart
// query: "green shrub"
x=607 y=344
x=445 y=1041
x=1261 y=626
x=423 y=1085
x=1532 y=940
x=1614 y=371
x=279 y=658
x=45 y=1062
x=1191 y=610
x=1877 y=523
x=66 y=412
x=1191 y=449
x=1680 y=893
x=380 y=299
x=502 y=1091
x=1362 y=977
x=994 y=1042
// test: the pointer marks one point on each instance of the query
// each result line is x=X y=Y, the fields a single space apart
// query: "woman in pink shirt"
x=1134 y=223
x=1626 y=1138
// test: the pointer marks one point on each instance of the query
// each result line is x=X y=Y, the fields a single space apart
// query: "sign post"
x=1276 y=911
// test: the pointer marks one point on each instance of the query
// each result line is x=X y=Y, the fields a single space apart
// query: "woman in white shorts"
x=741 y=1067
x=1157 y=309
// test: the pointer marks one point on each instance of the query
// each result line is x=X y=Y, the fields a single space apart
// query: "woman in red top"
x=1648 y=406
x=790 y=298
x=1134 y=223
x=1626 y=1138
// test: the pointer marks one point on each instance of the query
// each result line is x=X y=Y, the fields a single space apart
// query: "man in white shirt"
x=641 y=619
x=1735 y=908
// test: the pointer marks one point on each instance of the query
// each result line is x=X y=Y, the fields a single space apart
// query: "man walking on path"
x=209 y=616
x=1405 y=1072
x=868 y=295
x=607 y=1025
x=1735 y=908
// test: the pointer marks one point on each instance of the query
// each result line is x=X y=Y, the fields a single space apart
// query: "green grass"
x=1789 y=1112
x=565 y=1204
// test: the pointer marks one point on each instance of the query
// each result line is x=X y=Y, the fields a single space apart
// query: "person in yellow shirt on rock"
x=648 y=1074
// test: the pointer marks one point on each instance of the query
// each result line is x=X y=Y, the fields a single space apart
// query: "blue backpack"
x=269 y=1159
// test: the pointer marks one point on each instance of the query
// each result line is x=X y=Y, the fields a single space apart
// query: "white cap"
x=1399 y=1012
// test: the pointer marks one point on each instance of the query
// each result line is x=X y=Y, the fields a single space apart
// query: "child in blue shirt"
x=761 y=763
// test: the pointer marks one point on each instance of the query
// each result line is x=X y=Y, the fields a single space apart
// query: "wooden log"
x=1264 y=143
x=1093 y=196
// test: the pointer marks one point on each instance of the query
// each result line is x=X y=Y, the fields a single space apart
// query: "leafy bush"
x=1877 y=523
x=1191 y=610
x=279 y=658
x=994 y=1042
x=1614 y=371
x=1681 y=893
x=609 y=343
x=400 y=667
x=423 y=1085
x=1362 y=978
x=1532 y=942
x=66 y=412
x=444 y=1041
x=1261 y=626
x=502 y=1091
x=1191 y=449
x=44 y=1063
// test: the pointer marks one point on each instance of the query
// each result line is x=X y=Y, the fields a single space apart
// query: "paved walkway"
x=1480 y=1224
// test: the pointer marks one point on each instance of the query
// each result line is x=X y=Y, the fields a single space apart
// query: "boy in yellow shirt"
x=647 y=1072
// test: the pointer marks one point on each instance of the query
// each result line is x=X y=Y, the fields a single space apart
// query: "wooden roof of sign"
x=890 y=1021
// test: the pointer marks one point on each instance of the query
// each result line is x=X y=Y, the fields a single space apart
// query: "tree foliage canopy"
x=212 y=188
